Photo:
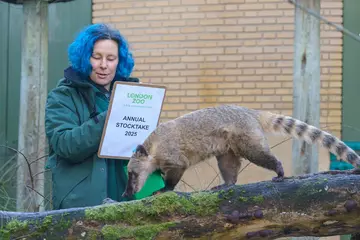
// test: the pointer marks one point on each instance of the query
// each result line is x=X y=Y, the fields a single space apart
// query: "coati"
x=228 y=132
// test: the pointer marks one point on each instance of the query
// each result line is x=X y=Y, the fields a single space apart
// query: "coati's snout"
x=132 y=185
x=139 y=168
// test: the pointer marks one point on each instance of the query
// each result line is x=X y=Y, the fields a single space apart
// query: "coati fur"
x=228 y=132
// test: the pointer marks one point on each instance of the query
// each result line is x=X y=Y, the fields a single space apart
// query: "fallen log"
x=321 y=204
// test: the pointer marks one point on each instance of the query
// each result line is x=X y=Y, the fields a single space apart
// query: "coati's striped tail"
x=276 y=123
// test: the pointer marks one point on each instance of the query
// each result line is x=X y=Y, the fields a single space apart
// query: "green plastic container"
x=340 y=164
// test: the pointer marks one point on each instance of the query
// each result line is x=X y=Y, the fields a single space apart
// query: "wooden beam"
x=33 y=92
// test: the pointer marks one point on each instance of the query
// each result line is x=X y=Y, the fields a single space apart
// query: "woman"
x=74 y=119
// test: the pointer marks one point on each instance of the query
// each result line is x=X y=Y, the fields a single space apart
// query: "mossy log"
x=321 y=204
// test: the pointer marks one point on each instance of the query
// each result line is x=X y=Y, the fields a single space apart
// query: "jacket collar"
x=80 y=80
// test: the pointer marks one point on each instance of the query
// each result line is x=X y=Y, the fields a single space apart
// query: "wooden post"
x=33 y=91
x=306 y=84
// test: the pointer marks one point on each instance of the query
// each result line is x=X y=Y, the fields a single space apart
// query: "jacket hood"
x=74 y=79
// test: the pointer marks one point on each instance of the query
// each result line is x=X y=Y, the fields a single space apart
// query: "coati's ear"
x=141 y=151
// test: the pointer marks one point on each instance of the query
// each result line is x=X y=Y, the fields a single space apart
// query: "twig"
x=279 y=143
x=241 y=170
x=8 y=169
x=337 y=26
x=47 y=170
x=39 y=159
x=27 y=162
x=39 y=193
x=188 y=185
x=217 y=174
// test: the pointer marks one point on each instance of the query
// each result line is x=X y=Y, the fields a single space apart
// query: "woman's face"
x=104 y=61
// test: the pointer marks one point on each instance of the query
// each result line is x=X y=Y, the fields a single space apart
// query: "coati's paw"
x=156 y=193
x=108 y=200
x=221 y=186
x=162 y=190
x=280 y=173
x=278 y=179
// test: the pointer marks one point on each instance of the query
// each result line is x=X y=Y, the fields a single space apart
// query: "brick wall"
x=210 y=52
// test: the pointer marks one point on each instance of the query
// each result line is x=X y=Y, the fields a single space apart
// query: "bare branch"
x=337 y=26
x=27 y=162
x=45 y=198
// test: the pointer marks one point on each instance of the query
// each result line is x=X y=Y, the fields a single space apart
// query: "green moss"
x=309 y=188
x=46 y=223
x=14 y=226
x=139 y=233
x=258 y=199
x=93 y=235
x=4 y=235
x=243 y=199
x=205 y=203
x=321 y=181
x=19 y=228
x=226 y=194
x=152 y=208
x=241 y=189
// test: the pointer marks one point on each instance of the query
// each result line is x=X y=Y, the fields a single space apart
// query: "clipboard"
x=134 y=112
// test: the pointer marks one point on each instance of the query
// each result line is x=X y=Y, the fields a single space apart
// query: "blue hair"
x=81 y=49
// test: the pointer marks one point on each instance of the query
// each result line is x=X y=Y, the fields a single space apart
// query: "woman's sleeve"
x=66 y=136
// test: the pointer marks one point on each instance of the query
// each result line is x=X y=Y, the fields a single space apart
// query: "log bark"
x=321 y=204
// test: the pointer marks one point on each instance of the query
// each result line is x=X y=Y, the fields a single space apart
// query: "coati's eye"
x=133 y=177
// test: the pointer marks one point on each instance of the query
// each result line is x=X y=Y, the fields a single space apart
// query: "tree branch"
x=321 y=204
x=27 y=162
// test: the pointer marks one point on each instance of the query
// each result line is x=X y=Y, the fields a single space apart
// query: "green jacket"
x=74 y=119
